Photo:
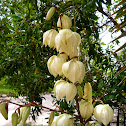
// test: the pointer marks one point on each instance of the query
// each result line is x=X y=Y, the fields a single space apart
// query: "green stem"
x=78 y=110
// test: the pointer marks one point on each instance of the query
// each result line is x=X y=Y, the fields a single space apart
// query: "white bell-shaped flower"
x=67 y=41
x=103 y=113
x=86 y=109
x=54 y=65
x=50 y=13
x=63 y=120
x=74 y=71
x=88 y=92
x=63 y=88
x=49 y=38
x=64 y=22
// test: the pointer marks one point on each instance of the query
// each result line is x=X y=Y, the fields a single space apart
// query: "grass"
x=4 y=87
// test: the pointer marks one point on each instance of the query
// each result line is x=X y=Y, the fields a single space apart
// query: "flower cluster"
x=66 y=65
x=66 y=43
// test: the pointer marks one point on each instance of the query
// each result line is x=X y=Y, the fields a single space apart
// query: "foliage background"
x=23 y=58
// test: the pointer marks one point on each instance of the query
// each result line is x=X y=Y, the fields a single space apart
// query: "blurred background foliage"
x=23 y=58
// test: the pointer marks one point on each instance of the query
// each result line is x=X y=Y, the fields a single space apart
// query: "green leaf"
x=103 y=43
x=10 y=43
x=122 y=35
x=9 y=27
x=123 y=46
x=15 y=17
x=124 y=79
x=120 y=9
x=120 y=26
x=9 y=35
x=123 y=13
x=123 y=68
x=121 y=2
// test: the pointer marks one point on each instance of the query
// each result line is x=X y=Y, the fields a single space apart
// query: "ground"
x=40 y=120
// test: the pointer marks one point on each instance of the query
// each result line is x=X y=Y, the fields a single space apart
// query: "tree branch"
x=104 y=13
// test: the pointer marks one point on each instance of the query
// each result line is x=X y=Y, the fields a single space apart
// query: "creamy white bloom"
x=63 y=88
x=67 y=41
x=50 y=13
x=103 y=113
x=49 y=38
x=86 y=109
x=74 y=71
x=54 y=65
x=88 y=92
x=64 y=22
x=63 y=120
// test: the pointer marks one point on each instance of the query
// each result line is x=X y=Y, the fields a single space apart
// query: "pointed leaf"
x=120 y=71
x=122 y=2
x=9 y=27
x=122 y=35
x=121 y=14
x=124 y=79
x=123 y=46
x=120 y=26
x=120 y=9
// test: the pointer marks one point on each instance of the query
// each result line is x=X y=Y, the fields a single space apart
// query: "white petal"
x=97 y=112
x=66 y=22
x=59 y=89
x=74 y=72
x=71 y=92
x=82 y=71
x=58 y=42
x=78 y=37
x=65 y=68
x=58 y=64
x=45 y=37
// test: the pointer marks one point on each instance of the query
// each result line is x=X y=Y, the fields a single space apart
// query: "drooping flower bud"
x=88 y=92
x=49 y=38
x=51 y=117
x=50 y=13
x=25 y=114
x=92 y=123
x=64 y=22
x=63 y=88
x=63 y=120
x=20 y=116
x=74 y=71
x=103 y=113
x=80 y=91
x=3 y=110
x=14 y=119
x=86 y=109
x=66 y=41
x=54 y=65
